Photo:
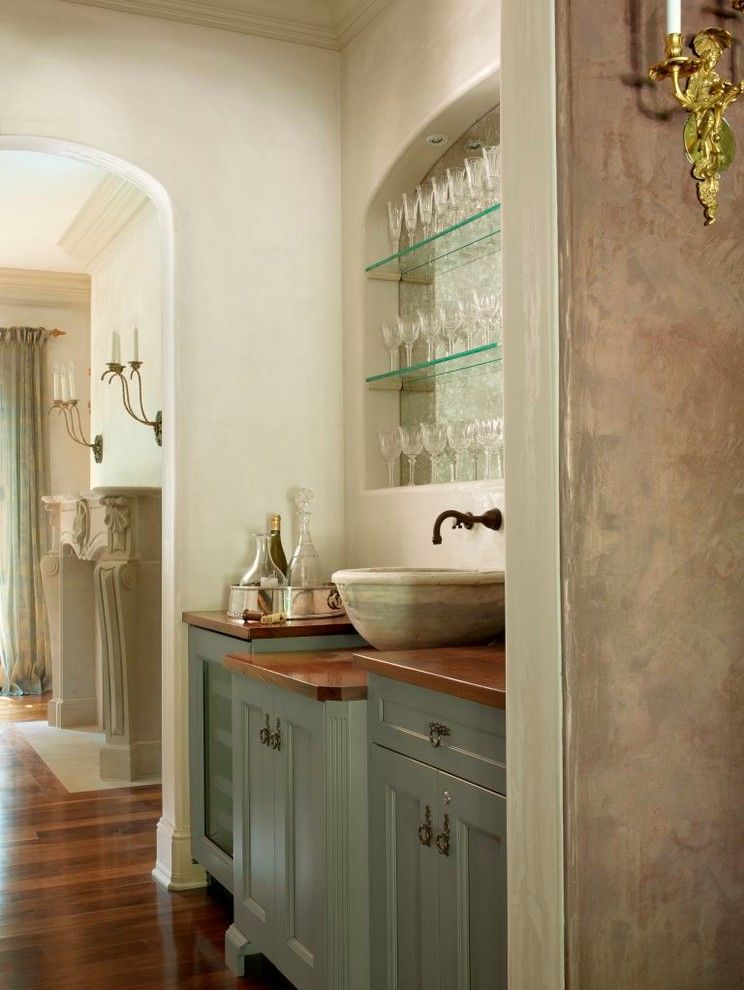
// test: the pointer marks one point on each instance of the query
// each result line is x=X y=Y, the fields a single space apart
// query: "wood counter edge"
x=251 y=665
x=398 y=670
x=221 y=622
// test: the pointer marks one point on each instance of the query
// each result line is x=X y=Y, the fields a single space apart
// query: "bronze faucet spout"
x=491 y=519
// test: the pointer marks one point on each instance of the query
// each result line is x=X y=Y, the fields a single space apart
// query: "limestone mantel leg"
x=128 y=602
x=68 y=591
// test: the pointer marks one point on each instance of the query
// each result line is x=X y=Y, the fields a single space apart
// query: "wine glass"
x=390 y=448
x=434 y=436
x=395 y=223
x=491 y=316
x=429 y=332
x=460 y=434
x=391 y=337
x=492 y=171
x=458 y=186
x=440 y=194
x=475 y=168
x=425 y=194
x=410 y=215
x=409 y=332
x=491 y=438
x=412 y=443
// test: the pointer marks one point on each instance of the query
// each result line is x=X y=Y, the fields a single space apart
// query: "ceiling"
x=39 y=197
x=323 y=23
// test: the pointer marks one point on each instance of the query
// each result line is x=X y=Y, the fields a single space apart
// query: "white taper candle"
x=71 y=378
x=57 y=384
x=674 y=16
x=136 y=344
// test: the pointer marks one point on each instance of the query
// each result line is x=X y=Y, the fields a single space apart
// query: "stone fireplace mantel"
x=102 y=587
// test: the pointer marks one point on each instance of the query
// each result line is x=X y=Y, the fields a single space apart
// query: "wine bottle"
x=275 y=544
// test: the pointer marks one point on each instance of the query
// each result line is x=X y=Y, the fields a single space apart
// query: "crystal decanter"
x=305 y=569
x=263 y=572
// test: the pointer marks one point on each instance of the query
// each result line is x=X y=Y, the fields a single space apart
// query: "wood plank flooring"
x=78 y=907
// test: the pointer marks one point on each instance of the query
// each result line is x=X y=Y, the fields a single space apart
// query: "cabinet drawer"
x=411 y=720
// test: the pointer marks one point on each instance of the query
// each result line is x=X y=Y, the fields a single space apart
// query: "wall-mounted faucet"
x=491 y=519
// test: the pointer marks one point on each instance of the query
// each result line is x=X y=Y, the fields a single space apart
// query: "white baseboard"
x=66 y=713
x=175 y=869
x=130 y=762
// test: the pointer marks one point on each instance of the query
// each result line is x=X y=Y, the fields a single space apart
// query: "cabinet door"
x=299 y=849
x=403 y=873
x=253 y=806
x=471 y=854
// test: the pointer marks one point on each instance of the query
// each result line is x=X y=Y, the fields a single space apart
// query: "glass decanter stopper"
x=263 y=572
x=305 y=568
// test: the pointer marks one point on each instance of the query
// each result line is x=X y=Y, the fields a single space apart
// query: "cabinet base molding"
x=237 y=948
x=64 y=713
x=175 y=868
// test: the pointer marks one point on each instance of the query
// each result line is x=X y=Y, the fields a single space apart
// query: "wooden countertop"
x=475 y=673
x=220 y=622
x=324 y=675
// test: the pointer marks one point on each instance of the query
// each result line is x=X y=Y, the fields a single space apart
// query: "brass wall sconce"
x=116 y=370
x=74 y=426
x=708 y=138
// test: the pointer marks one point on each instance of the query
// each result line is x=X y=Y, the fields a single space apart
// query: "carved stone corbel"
x=117 y=522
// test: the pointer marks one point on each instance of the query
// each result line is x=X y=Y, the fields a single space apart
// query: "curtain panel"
x=24 y=649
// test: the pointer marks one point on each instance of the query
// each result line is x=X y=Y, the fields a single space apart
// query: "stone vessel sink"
x=397 y=608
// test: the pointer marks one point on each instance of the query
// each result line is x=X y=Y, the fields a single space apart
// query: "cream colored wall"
x=68 y=464
x=413 y=60
x=126 y=288
x=241 y=137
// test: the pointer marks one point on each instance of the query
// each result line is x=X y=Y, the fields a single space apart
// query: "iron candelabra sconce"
x=708 y=138
x=115 y=370
x=74 y=426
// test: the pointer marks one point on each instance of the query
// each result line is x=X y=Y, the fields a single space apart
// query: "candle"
x=674 y=16
x=71 y=380
x=57 y=384
x=136 y=343
x=65 y=381
x=115 y=348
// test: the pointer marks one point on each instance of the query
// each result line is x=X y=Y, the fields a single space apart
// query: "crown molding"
x=333 y=37
x=58 y=290
x=224 y=18
x=348 y=27
x=112 y=205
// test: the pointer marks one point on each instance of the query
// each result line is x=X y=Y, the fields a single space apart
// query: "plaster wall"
x=406 y=68
x=68 y=464
x=126 y=290
x=242 y=133
x=652 y=507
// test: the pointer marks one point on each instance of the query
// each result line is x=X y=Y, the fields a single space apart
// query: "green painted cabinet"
x=437 y=843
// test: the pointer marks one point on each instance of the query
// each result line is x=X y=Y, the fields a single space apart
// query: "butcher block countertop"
x=324 y=675
x=475 y=673
x=220 y=622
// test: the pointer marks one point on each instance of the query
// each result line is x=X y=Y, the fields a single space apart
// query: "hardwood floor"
x=78 y=907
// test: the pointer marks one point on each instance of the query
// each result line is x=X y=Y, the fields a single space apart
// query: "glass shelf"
x=469 y=240
x=476 y=357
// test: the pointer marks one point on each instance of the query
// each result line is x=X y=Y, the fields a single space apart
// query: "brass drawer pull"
x=425 y=830
x=265 y=733
x=443 y=839
x=436 y=731
x=276 y=736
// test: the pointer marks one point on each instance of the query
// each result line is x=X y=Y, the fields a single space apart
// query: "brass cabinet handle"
x=276 y=736
x=436 y=731
x=443 y=838
x=265 y=733
x=425 y=830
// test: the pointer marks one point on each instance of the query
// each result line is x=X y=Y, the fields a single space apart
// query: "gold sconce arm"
x=70 y=411
x=708 y=138
x=115 y=371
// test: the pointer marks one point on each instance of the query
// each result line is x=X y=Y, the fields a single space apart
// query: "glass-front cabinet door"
x=218 y=805
x=434 y=346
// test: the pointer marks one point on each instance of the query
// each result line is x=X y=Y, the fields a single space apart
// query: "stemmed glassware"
x=392 y=339
x=408 y=330
x=440 y=193
x=430 y=332
x=458 y=189
x=425 y=193
x=395 y=224
x=492 y=171
x=410 y=215
x=390 y=448
x=461 y=435
x=491 y=439
x=434 y=436
x=475 y=172
x=412 y=443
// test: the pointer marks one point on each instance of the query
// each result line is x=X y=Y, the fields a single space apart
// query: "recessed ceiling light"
x=437 y=140
x=474 y=145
